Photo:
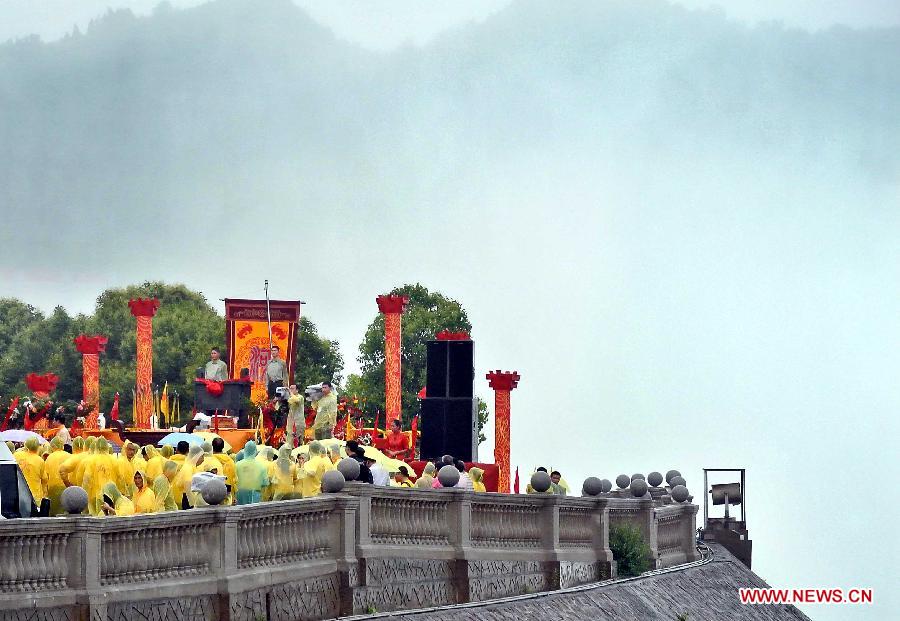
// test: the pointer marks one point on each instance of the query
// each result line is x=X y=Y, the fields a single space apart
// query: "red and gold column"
x=503 y=382
x=90 y=348
x=392 y=307
x=144 y=310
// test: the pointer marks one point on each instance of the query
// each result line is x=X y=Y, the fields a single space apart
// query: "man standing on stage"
x=276 y=372
x=326 y=413
x=215 y=370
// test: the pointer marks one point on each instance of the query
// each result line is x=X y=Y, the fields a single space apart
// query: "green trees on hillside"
x=186 y=326
x=184 y=329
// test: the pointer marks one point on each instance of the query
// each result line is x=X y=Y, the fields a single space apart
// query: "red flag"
x=516 y=482
x=114 y=412
x=12 y=406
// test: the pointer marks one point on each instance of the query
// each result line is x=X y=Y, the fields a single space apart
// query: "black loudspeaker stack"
x=448 y=411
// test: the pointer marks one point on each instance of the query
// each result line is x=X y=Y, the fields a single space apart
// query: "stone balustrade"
x=368 y=548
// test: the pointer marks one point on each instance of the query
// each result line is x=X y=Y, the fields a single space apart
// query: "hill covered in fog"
x=237 y=106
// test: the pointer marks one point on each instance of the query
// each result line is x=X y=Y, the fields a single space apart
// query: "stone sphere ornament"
x=448 y=476
x=74 y=500
x=349 y=467
x=540 y=481
x=640 y=476
x=623 y=480
x=607 y=486
x=214 y=492
x=592 y=486
x=671 y=474
x=676 y=481
x=679 y=493
x=333 y=481
x=654 y=479
x=639 y=488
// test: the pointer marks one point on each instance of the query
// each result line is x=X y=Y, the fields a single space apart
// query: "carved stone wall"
x=368 y=549
x=38 y=614
x=176 y=609
x=404 y=583
x=493 y=579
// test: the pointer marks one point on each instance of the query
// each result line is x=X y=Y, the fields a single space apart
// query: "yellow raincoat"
x=68 y=465
x=477 y=476
x=121 y=504
x=32 y=466
x=230 y=473
x=162 y=487
x=55 y=485
x=283 y=473
x=99 y=469
x=311 y=473
x=127 y=466
x=144 y=498
x=181 y=486
x=251 y=476
x=155 y=462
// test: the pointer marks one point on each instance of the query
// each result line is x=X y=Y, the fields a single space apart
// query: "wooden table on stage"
x=110 y=434
x=237 y=438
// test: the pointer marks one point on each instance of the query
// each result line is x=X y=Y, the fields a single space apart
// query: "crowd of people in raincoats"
x=151 y=480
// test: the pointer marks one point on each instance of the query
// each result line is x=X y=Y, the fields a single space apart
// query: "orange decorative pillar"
x=90 y=348
x=503 y=383
x=392 y=306
x=144 y=310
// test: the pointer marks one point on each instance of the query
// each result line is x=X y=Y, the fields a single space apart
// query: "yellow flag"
x=164 y=401
x=262 y=428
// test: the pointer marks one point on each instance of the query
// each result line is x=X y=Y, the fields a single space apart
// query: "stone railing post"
x=362 y=529
x=647 y=518
x=344 y=521
x=550 y=538
x=83 y=558
x=224 y=555
x=601 y=538
x=460 y=536
x=689 y=533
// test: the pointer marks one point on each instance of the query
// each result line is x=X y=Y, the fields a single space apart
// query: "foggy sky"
x=683 y=231
x=386 y=24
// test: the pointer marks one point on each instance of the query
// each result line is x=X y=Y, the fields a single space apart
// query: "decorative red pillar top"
x=392 y=303
x=503 y=380
x=143 y=307
x=41 y=383
x=446 y=335
x=90 y=344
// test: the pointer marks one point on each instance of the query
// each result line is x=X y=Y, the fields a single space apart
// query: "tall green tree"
x=40 y=347
x=15 y=316
x=316 y=359
x=426 y=314
x=184 y=329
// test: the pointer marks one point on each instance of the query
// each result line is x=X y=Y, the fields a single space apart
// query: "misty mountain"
x=192 y=113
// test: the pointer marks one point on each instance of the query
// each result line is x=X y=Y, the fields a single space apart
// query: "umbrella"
x=20 y=435
x=390 y=464
x=210 y=436
x=174 y=438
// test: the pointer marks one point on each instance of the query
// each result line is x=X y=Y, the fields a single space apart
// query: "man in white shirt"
x=380 y=475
